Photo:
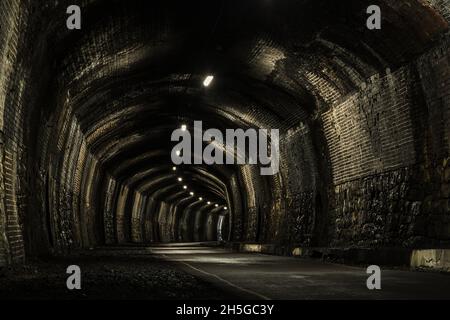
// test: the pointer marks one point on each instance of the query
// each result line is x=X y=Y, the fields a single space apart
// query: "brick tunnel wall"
x=386 y=146
x=391 y=184
x=46 y=170
x=15 y=75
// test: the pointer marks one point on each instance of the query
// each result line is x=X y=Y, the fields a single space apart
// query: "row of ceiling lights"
x=191 y=193
x=206 y=83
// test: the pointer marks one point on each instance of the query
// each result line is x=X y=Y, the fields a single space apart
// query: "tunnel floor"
x=110 y=273
x=199 y=271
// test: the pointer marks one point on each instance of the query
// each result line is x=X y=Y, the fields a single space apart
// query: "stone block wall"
x=389 y=156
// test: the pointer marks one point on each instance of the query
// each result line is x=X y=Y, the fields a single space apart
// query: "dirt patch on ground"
x=127 y=274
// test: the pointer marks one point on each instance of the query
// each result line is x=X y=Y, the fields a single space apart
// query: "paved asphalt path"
x=257 y=276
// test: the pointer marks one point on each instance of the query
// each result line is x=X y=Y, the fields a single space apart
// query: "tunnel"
x=87 y=115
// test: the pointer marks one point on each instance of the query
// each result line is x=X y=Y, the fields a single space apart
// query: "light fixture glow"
x=200 y=198
x=225 y=208
x=191 y=193
x=184 y=187
x=174 y=168
x=208 y=81
x=180 y=179
x=209 y=202
x=183 y=127
x=178 y=152
x=216 y=205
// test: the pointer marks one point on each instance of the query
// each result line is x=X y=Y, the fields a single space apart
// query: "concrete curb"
x=432 y=259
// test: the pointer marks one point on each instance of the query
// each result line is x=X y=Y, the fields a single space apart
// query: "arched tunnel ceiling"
x=134 y=73
x=174 y=45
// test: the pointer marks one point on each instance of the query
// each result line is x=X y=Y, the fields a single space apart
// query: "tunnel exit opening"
x=220 y=228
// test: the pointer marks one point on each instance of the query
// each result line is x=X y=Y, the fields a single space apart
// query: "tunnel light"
x=183 y=127
x=208 y=81
x=184 y=187
x=180 y=179
x=174 y=168
x=191 y=193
